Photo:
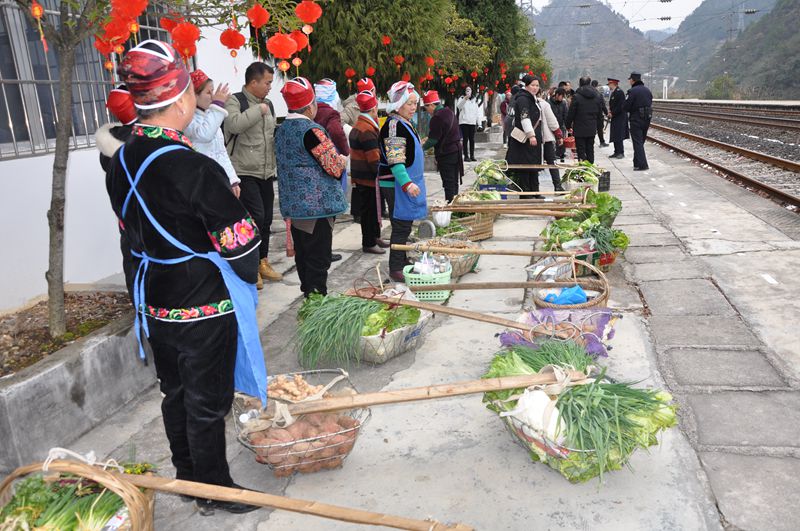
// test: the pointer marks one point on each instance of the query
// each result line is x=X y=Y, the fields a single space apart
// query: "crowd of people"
x=536 y=122
x=191 y=171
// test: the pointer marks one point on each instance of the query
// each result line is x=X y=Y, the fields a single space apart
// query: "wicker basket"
x=480 y=225
x=461 y=263
x=326 y=451
x=600 y=284
x=416 y=279
x=140 y=503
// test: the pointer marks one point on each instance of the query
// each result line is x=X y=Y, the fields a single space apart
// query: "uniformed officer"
x=639 y=106
x=619 y=120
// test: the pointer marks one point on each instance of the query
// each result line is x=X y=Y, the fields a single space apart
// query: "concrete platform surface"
x=709 y=309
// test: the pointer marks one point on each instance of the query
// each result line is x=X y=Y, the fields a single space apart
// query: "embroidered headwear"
x=365 y=83
x=199 y=79
x=366 y=101
x=431 y=97
x=120 y=104
x=154 y=74
x=326 y=91
x=399 y=94
x=298 y=93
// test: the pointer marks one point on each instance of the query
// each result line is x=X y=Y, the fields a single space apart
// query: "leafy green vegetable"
x=606 y=208
x=390 y=319
x=586 y=172
x=31 y=496
x=605 y=422
x=491 y=172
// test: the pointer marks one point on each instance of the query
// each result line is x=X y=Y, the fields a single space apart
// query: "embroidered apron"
x=250 y=373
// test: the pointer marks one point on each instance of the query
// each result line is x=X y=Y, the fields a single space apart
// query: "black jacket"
x=585 y=112
x=560 y=110
x=639 y=102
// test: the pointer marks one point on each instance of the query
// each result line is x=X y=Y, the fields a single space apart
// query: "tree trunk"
x=55 y=216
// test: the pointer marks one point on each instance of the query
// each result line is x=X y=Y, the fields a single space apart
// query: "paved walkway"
x=708 y=295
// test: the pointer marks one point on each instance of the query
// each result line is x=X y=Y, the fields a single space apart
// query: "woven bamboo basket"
x=140 y=504
x=600 y=284
x=461 y=263
x=480 y=225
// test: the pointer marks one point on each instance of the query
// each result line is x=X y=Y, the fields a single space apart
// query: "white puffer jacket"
x=207 y=138
x=549 y=121
x=469 y=111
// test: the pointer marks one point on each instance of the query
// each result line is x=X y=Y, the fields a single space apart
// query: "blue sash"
x=250 y=373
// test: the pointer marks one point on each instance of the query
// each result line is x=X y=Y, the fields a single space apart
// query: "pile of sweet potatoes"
x=314 y=442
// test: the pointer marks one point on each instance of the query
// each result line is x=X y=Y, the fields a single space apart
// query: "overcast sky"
x=641 y=13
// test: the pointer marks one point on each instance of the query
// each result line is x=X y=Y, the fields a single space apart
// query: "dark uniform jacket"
x=639 y=103
x=584 y=112
x=560 y=110
x=619 y=120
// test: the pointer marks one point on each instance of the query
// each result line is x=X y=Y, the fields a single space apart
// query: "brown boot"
x=259 y=282
x=266 y=272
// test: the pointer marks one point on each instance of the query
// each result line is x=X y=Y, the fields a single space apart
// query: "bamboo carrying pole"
x=477 y=250
x=413 y=394
x=324 y=510
x=501 y=285
x=473 y=206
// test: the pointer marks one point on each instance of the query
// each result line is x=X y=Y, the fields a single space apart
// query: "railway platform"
x=709 y=292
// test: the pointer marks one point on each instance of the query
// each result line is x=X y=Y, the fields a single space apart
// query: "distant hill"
x=702 y=34
x=593 y=40
x=659 y=35
x=764 y=60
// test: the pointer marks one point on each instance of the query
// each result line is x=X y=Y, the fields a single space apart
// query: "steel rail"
x=775 y=161
x=771 y=191
x=766 y=121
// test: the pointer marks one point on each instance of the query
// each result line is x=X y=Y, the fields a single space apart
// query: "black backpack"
x=243 y=106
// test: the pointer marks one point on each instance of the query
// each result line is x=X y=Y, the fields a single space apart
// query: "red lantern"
x=441 y=71
x=300 y=38
x=258 y=16
x=281 y=46
x=297 y=62
x=370 y=71
x=308 y=29
x=490 y=93
x=455 y=77
x=485 y=69
x=134 y=27
x=530 y=72
x=421 y=80
x=117 y=30
x=349 y=73
x=474 y=75
x=103 y=46
x=283 y=66
x=527 y=67
x=184 y=37
x=496 y=82
x=429 y=76
x=399 y=60
x=128 y=9
x=448 y=80
x=169 y=23
x=308 y=11
x=232 y=39
x=544 y=77
x=430 y=61
x=406 y=77
x=503 y=76
x=109 y=65
x=386 y=40
x=119 y=49
x=483 y=87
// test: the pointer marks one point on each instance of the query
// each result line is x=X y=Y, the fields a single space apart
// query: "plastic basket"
x=303 y=454
x=416 y=279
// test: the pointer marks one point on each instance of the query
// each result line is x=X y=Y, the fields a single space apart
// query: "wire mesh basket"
x=315 y=441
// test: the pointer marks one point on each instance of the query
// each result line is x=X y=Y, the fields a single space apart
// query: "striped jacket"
x=365 y=151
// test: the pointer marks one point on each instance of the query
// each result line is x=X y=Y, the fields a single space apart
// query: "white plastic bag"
x=442 y=219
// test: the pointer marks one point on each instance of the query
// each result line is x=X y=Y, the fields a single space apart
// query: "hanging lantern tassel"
x=38 y=12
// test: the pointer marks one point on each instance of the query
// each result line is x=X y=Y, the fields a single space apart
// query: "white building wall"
x=91 y=237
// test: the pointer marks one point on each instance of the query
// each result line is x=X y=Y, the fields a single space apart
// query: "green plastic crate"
x=416 y=279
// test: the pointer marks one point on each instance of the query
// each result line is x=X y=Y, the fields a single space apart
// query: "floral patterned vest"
x=305 y=190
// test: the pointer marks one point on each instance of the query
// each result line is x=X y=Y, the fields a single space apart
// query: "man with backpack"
x=250 y=140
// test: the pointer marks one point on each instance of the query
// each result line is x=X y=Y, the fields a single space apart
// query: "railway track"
x=772 y=176
x=780 y=119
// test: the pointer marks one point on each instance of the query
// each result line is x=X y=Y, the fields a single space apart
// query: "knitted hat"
x=120 y=104
x=366 y=101
x=431 y=97
x=365 y=83
x=154 y=74
x=399 y=94
x=199 y=79
x=298 y=93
